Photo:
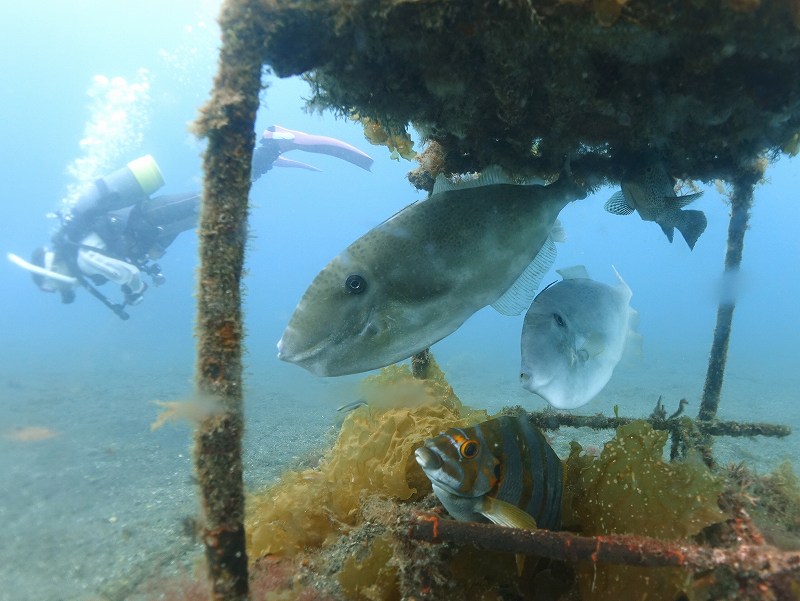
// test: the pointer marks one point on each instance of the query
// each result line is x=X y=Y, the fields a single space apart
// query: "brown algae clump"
x=373 y=455
x=630 y=489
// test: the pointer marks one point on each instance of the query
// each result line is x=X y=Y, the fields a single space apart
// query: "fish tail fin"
x=691 y=224
x=669 y=231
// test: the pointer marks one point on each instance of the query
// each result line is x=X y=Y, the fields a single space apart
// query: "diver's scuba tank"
x=121 y=188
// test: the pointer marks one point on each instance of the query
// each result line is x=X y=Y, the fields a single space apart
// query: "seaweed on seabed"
x=772 y=501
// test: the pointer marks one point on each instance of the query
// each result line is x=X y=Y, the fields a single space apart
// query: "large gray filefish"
x=573 y=336
x=415 y=278
x=503 y=470
x=651 y=193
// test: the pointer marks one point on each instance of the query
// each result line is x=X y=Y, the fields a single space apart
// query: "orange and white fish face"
x=501 y=470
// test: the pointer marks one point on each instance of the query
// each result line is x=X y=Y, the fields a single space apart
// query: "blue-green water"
x=101 y=501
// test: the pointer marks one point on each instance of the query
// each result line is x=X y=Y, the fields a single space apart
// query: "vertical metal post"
x=741 y=203
x=227 y=122
x=420 y=364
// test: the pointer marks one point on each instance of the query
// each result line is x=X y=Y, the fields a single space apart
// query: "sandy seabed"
x=95 y=506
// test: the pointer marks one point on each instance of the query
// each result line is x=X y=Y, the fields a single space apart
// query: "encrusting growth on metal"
x=741 y=203
x=768 y=568
x=420 y=364
x=227 y=122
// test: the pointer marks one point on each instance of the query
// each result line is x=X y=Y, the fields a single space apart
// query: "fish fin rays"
x=618 y=204
x=557 y=232
x=520 y=295
x=668 y=230
x=505 y=514
x=682 y=201
x=576 y=272
x=491 y=175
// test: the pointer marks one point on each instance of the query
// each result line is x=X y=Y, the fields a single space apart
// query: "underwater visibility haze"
x=96 y=505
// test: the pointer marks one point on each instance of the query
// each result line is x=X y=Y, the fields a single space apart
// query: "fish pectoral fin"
x=520 y=295
x=506 y=514
x=682 y=201
x=595 y=344
x=618 y=205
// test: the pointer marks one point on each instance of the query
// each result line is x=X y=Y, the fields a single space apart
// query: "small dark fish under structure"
x=651 y=193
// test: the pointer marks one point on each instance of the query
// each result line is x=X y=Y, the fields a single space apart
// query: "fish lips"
x=329 y=356
x=308 y=358
x=427 y=459
x=533 y=382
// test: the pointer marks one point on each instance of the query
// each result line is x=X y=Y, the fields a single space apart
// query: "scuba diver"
x=115 y=231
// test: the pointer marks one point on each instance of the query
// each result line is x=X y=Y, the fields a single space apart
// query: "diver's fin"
x=682 y=201
x=576 y=272
x=595 y=344
x=492 y=175
x=618 y=205
x=506 y=514
x=520 y=295
x=668 y=230
x=282 y=161
x=691 y=225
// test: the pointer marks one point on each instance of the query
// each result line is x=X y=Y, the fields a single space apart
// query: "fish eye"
x=355 y=284
x=469 y=449
x=559 y=320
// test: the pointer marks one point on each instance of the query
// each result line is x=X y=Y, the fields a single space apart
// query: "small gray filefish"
x=651 y=193
x=573 y=336
x=502 y=470
x=415 y=278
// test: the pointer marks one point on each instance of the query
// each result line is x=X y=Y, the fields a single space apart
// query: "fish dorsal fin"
x=682 y=201
x=490 y=176
x=576 y=272
x=520 y=295
x=618 y=205
x=623 y=284
x=506 y=514
x=595 y=344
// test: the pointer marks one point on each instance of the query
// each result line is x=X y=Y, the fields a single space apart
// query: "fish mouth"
x=532 y=384
x=427 y=459
x=306 y=358
x=312 y=357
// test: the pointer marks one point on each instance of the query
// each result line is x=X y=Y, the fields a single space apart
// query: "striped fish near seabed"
x=502 y=470
x=574 y=335
x=415 y=278
x=652 y=194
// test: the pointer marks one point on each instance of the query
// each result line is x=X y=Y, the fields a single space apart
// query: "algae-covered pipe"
x=227 y=121
x=741 y=203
